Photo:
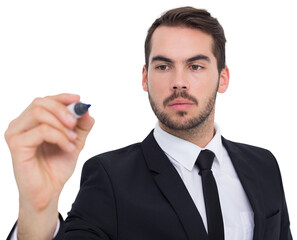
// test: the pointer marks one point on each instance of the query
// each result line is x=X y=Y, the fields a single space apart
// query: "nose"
x=179 y=81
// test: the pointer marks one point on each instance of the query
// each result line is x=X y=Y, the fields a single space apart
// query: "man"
x=184 y=181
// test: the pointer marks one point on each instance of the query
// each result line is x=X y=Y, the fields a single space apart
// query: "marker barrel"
x=78 y=109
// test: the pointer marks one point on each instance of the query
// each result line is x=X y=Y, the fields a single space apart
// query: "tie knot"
x=205 y=160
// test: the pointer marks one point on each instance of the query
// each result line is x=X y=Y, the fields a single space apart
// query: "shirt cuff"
x=15 y=232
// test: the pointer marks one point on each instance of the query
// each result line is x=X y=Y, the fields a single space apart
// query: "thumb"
x=82 y=129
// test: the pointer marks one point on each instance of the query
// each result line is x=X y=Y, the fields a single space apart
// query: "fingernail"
x=70 y=118
x=72 y=135
x=71 y=146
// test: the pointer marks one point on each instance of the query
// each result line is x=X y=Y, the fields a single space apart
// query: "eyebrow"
x=198 y=57
x=161 y=58
x=192 y=59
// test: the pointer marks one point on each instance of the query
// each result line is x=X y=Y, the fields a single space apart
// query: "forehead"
x=180 y=42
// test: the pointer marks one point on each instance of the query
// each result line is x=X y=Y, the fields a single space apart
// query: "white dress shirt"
x=237 y=213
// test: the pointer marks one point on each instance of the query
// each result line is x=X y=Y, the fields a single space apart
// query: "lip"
x=180 y=104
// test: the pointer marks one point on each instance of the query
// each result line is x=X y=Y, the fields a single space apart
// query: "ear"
x=144 y=79
x=224 y=80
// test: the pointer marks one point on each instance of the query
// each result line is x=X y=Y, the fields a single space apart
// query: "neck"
x=200 y=135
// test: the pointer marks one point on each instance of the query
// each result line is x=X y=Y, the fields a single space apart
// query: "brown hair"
x=192 y=18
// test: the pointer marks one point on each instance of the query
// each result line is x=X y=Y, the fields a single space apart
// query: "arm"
x=14 y=232
x=44 y=142
x=285 y=232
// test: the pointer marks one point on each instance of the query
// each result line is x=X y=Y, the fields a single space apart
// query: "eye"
x=195 y=67
x=162 y=67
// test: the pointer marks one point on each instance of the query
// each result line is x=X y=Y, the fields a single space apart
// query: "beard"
x=189 y=124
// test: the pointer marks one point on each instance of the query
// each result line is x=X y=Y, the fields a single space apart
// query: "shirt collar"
x=185 y=152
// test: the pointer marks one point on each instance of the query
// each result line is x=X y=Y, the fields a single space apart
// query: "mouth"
x=180 y=104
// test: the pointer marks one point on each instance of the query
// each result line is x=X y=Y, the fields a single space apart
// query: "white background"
x=95 y=49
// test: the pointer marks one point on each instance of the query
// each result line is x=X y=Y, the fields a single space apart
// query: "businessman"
x=183 y=181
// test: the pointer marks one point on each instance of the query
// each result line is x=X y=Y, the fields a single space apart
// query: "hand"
x=45 y=141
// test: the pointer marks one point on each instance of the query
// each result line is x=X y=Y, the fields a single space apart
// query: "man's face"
x=182 y=78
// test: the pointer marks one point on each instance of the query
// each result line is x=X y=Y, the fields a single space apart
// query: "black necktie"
x=211 y=196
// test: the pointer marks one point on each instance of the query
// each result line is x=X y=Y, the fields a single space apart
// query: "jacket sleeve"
x=93 y=214
x=285 y=232
x=284 y=228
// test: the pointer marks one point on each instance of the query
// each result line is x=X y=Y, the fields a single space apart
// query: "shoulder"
x=260 y=160
x=247 y=149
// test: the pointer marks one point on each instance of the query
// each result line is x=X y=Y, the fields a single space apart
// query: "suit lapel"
x=173 y=188
x=249 y=182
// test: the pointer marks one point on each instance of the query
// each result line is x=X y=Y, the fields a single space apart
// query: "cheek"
x=206 y=81
x=158 y=92
x=158 y=84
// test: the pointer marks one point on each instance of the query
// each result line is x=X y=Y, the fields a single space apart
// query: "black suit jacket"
x=135 y=193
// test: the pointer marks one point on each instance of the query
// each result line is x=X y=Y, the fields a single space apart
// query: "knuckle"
x=7 y=133
x=11 y=124
x=48 y=97
x=43 y=128
x=36 y=101
x=12 y=142
x=36 y=112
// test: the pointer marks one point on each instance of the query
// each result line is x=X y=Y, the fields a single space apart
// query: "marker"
x=78 y=109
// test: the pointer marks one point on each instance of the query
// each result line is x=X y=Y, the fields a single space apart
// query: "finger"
x=31 y=116
x=86 y=122
x=57 y=108
x=66 y=98
x=28 y=142
x=82 y=129
x=42 y=116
